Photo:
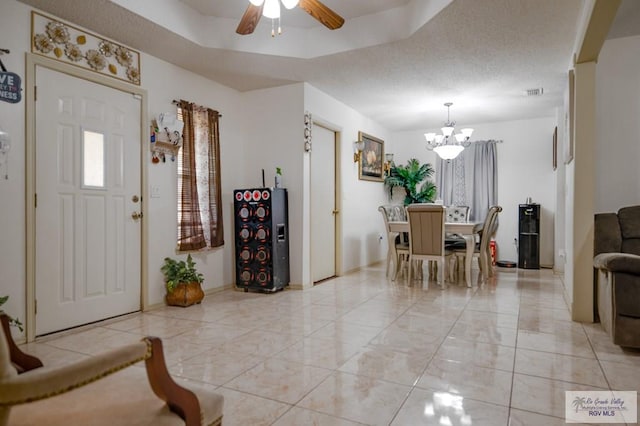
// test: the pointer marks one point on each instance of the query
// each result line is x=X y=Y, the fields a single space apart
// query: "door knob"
x=136 y=215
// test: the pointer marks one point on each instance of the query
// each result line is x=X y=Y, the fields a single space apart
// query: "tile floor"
x=361 y=350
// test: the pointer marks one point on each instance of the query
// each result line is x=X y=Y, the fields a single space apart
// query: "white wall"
x=360 y=220
x=258 y=130
x=274 y=123
x=618 y=125
x=14 y=22
x=217 y=264
x=524 y=170
x=164 y=82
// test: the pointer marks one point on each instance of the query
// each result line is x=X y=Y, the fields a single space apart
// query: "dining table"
x=467 y=230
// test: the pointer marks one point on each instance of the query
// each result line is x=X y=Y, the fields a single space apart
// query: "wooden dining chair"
x=397 y=247
x=481 y=251
x=426 y=238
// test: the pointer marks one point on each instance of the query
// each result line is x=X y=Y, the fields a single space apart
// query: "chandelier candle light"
x=444 y=145
x=272 y=10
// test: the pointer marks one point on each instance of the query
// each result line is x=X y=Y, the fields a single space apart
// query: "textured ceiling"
x=482 y=55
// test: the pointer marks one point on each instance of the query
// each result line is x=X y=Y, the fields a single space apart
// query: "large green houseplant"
x=414 y=178
x=183 y=281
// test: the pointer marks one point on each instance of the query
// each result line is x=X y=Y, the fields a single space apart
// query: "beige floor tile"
x=371 y=319
x=215 y=367
x=407 y=342
x=568 y=368
x=477 y=354
x=504 y=305
x=94 y=341
x=243 y=409
x=387 y=365
x=280 y=380
x=480 y=333
x=489 y=319
x=212 y=334
x=526 y=418
x=345 y=331
x=300 y=417
x=606 y=350
x=154 y=325
x=259 y=342
x=622 y=377
x=543 y=396
x=575 y=344
x=428 y=324
x=357 y=398
x=425 y=407
x=324 y=353
x=469 y=381
x=402 y=351
x=52 y=356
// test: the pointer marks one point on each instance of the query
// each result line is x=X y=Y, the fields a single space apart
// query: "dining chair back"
x=397 y=247
x=426 y=236
x=481 y=251
x=457 y=213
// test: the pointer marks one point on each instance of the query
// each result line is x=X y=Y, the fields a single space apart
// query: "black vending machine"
x=261 y=238
x=529 y=236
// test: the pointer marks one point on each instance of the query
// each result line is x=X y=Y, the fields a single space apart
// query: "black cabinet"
x=529 y=236
x=261 y=238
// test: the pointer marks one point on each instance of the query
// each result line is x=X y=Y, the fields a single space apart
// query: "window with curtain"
x=199 y=189
x=470 y=179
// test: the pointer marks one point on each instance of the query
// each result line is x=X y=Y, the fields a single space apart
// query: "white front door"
x=323 y=202
x=88 y=186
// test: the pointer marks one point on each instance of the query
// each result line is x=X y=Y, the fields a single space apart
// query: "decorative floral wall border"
x=66 y=43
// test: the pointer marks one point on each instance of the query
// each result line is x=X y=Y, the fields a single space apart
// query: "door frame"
x=33 y=61
x=336 y=195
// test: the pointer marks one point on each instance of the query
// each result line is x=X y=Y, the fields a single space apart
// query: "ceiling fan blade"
x=250 y=19
x=322 y=13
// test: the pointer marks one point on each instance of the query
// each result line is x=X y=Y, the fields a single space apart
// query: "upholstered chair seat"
x=110 y=389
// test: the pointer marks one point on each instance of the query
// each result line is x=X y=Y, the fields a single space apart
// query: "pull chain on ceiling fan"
x=271 y=9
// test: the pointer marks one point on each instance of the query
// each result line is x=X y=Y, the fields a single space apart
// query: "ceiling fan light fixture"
x=271 y=9
x=290 y=4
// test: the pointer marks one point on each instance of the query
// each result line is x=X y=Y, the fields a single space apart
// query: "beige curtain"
x=199 y=189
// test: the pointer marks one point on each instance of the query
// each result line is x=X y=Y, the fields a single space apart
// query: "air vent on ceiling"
x=535 y=92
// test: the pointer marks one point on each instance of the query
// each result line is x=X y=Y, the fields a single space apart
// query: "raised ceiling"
x=395 y=61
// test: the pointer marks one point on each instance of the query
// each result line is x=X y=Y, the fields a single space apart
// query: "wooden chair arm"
x=181 y=401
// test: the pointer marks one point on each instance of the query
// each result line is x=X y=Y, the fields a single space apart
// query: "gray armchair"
x=617 y=263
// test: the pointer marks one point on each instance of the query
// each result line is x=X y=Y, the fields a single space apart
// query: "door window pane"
x=93 y=157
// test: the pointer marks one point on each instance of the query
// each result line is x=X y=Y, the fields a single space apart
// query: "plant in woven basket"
x=182 y=281
x=12 y=321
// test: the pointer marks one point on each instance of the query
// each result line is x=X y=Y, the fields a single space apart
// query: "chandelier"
x=446 y=146
x=272 y=10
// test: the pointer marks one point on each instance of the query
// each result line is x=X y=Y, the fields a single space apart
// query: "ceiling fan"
x=271 y=9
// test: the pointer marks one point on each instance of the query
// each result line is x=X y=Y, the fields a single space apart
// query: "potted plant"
x=12 y=321
x=414 y=178
x=183 y=282
x=278 y=180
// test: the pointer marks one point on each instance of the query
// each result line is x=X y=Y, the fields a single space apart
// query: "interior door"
x=323 y=202
x=88 y=186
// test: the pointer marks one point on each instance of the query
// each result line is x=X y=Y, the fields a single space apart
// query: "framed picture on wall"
x=569 y=121
x=371 y=158
x=555 y=148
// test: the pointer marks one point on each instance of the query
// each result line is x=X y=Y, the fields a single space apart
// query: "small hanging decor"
x=66 y=43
